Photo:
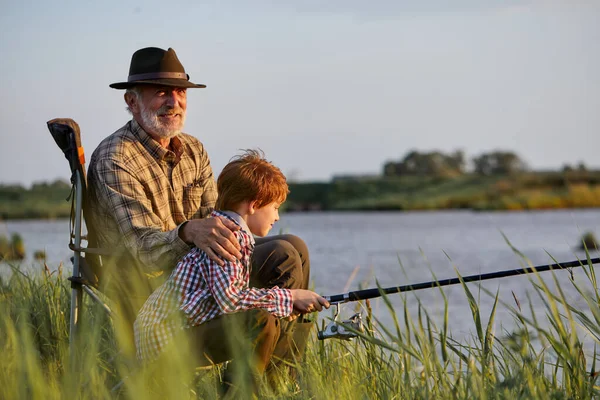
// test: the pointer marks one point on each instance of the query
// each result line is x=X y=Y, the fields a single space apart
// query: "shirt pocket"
x=192 y=199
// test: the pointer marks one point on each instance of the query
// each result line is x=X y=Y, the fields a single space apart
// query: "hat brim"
x=180 y=83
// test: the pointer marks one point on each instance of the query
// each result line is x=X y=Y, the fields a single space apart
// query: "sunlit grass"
x=413 y=357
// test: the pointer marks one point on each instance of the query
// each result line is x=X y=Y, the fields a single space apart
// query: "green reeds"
x=549 y=353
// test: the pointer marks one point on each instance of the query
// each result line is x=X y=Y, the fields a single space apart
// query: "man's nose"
x=172 y=99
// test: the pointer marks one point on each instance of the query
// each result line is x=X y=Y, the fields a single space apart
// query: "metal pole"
x=76 y=292
x=377 y=292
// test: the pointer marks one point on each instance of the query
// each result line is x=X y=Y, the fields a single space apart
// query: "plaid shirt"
x=141 y=193
x=199 y=290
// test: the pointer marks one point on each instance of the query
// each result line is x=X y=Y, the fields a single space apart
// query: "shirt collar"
x=154 y=148
x=237 y=218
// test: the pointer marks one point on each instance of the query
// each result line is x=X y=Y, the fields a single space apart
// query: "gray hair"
x=135 y=90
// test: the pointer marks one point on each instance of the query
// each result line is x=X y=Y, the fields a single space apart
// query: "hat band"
x=158 y=75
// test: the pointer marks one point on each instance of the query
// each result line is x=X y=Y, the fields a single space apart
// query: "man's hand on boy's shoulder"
x=214 y=236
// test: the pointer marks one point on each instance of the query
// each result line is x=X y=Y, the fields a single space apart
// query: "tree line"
x=436 y=163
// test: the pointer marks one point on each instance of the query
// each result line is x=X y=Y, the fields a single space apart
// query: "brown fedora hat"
x=155 y=66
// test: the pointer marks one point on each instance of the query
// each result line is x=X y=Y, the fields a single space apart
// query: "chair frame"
x=66 y=134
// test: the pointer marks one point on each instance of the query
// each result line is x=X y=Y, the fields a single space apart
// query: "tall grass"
x=542 y=357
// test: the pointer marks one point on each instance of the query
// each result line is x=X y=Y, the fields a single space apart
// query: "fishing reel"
x=345 y=330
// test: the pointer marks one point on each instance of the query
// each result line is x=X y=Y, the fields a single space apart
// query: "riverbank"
x=525 y=191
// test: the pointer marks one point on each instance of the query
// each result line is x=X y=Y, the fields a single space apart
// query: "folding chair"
x=86 y=270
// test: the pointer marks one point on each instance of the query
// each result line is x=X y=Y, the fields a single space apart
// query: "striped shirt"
x=199 y=290
x=141 y=193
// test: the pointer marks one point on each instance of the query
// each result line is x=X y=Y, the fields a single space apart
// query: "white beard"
x=163 y=130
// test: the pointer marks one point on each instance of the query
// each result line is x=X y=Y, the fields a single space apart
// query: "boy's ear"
x=252 y=207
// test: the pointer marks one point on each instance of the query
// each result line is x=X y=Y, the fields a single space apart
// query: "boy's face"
x=262 y=220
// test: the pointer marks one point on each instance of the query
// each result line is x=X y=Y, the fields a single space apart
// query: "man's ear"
x=132 y=102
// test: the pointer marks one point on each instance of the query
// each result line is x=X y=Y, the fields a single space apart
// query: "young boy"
x=206 y=300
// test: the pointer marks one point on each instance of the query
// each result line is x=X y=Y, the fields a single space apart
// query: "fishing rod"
x=378 y=292
x=340 y=331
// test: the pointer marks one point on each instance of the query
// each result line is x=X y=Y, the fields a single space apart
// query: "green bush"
x=12 y=250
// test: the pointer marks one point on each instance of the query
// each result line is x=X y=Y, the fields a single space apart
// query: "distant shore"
x=524 y=191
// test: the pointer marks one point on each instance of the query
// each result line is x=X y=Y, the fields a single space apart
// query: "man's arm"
x=140 y=229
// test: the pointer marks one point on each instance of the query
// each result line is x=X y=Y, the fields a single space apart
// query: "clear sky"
x=323 y=87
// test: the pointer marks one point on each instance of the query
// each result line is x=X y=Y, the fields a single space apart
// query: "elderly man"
x=151 y=187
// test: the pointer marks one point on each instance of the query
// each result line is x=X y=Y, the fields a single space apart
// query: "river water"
x=352 y=249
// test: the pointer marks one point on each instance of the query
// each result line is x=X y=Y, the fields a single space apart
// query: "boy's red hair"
x=249 y=177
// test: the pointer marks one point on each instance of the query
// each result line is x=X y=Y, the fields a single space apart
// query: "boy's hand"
x=307 y=301
x=214 y=236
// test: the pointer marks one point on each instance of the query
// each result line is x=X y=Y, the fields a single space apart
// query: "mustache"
x=169 y=110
